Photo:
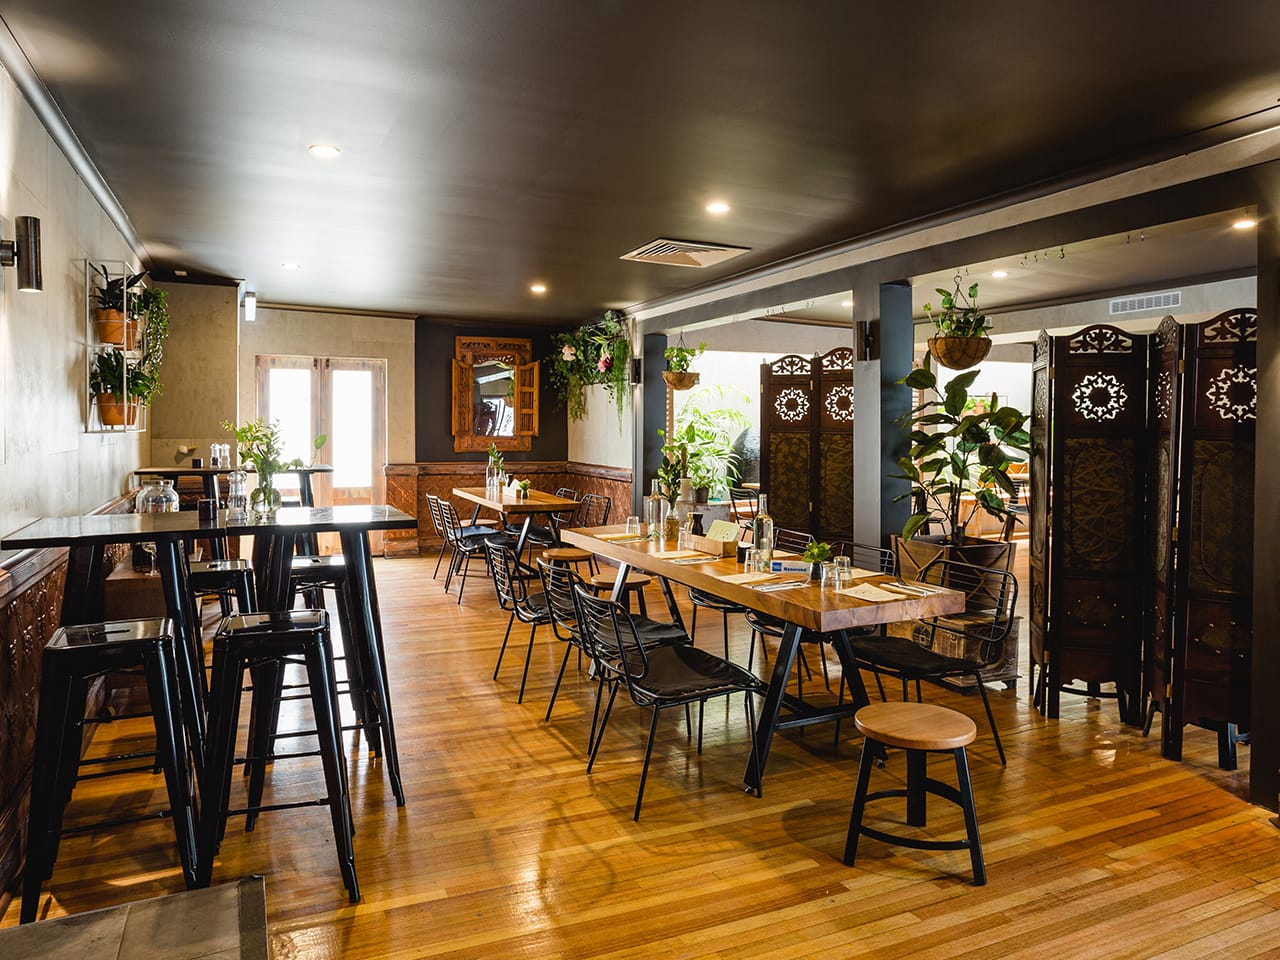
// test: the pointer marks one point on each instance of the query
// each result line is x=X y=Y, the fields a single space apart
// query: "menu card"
x=723 y=530
x=871 y=593
x=674 y=554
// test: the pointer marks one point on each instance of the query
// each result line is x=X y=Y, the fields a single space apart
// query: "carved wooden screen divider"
x=806 y=442
x=1145 y=496
x=1098 y=458
x=1213 y=619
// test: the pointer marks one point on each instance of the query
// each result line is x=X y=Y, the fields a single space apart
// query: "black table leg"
x=523 y=535
x=84 y=597
x=367 y=637
x=171 y=566
x=782 y=664
x=672 y=607
x=217 y=544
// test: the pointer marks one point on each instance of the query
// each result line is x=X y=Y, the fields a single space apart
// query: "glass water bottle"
x=653 y=505
x=237 y=496
x=762 y=531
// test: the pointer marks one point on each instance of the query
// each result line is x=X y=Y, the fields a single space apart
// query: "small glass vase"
x=265 y=499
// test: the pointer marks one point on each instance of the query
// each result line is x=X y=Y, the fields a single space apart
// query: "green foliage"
x=597 y=353
x=671 y=469
x=148 y=306
x=108 y=375
x=495 y=456
x=817 y=552
x=679 y=357
x=954 y=452
x=109 y=295
x=702 y=441
x=958 y=316
x=259 y=444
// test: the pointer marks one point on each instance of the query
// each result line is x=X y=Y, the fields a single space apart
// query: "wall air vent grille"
x=683 y=253
x=1147 y=301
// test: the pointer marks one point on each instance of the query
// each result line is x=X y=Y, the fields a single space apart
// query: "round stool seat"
x=635 y=581
x=566 y=555
x=915 y=726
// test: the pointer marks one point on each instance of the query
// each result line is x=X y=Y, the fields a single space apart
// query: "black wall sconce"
x=24 y=253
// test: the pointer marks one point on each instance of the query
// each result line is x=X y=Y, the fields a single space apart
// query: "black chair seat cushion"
x=679 y=673
x=909 y=659
x=713 y=602
x=655 y=631
x=538 y=533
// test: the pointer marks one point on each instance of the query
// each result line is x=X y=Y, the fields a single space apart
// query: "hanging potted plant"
x=108 y=309
x=961 y=340
x=678 y=375
x=958 y=462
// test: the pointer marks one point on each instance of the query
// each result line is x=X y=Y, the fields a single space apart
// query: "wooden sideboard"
x=409 y=483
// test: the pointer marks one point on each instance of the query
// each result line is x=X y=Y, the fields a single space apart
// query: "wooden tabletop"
x=506 y=502
x=190 y=471
x=139 y=527
x=808 y=606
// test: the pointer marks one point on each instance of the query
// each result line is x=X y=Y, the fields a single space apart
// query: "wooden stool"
x=635 y=583
x=569 y=556
x=918 y=728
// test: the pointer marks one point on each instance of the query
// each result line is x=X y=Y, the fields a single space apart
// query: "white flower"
x=568 y=353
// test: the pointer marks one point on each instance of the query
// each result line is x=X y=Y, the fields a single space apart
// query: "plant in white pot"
x=959 y=459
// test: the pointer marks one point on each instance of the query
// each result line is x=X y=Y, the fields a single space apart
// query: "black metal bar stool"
x=920 y=729
x=72 y=658
x=262 y=643
x=225 y=579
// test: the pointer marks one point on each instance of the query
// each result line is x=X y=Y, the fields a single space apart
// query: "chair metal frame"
x=464 y=546
x=513 y=596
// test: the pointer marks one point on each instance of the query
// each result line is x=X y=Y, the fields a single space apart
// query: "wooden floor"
x=1095 y=846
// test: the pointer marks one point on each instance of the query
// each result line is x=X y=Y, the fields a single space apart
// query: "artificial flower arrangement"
x=599 y=352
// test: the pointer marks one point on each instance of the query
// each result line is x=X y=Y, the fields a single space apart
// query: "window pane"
x=289 y=400
x=352 y=437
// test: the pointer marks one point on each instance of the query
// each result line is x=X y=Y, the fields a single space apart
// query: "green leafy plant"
x=958 y=315
x=817 y=552
x=707 y=432
x=680 y=357
x=954 y=453
x=524 y=488
x=596 y=353
x=110 y=294
x=113 y=373
x=671 y=469
x=259 y=443
x=495 y=457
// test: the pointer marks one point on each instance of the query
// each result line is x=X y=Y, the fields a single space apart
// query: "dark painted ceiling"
x=487 y=144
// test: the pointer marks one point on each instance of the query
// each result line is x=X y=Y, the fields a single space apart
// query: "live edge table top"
x=808 y=606
x=506 y=502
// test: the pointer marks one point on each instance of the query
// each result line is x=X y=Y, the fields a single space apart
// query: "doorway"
x=342 y=399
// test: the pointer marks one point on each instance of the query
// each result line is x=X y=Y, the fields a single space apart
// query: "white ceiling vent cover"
x=684 y=253
x=1147 y=301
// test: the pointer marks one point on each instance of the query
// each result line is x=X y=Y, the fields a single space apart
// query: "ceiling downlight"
x=684 y=253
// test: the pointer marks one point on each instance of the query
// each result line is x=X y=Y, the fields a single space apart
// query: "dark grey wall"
x=433 y=383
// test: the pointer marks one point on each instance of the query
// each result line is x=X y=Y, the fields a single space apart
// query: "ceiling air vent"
x=1147 y=301
x=683 y=253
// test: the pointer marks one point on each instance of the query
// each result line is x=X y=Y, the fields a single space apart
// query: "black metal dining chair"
x=514 y=597
x=974 y=638
x=465 y=545
x=659 y=677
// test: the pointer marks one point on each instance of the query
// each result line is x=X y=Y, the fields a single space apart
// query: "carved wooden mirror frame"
x=468 y=353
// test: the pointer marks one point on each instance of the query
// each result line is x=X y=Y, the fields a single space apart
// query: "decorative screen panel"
x=833 y=479
x=789 y=413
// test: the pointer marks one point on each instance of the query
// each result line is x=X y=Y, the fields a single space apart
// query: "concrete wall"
x=199 y=373
x=50 y=466
x=599 y=439
x=320 y=334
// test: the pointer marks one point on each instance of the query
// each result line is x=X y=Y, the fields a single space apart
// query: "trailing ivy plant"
x=596 y=353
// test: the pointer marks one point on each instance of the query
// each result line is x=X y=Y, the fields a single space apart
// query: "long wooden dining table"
x=274 y=544
x=803 y=607
x=508 y=504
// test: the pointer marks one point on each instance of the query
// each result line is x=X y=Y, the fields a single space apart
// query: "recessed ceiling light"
x=324 y=151
x=846 y=303
x=538 y=288
x=717 y=208
x=289 y=266
x=179 y=273
x=999 y=274
x=1245 y=223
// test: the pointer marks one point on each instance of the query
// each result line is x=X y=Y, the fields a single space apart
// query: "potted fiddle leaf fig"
x=958 y=461
x=961 y=340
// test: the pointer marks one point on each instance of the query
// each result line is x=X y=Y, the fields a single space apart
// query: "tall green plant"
x=954 y=452
x=706 y=434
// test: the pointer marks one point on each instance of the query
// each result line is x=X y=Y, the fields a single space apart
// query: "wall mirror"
x=495 y=393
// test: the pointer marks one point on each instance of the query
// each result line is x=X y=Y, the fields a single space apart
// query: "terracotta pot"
x=959 y=353
x=680 y=381
x=113 y=413
x=111 y=328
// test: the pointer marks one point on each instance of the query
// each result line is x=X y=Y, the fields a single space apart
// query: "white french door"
x=342 y=399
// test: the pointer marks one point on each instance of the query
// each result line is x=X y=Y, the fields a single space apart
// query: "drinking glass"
x=685 y=539
x=844 y=567
x=149 y=548
x=633 y=526
x=831 y=579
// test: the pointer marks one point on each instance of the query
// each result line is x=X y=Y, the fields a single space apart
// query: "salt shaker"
x=215 y=455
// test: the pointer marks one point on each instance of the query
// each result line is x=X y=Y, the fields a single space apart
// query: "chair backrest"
x=512 y=591
x=561 y=518
x=433 y=506
x=990 y=598
x=558 y=583
x=610 y=634
x=449 y=520
x=866 y=556
x=595 y=510
x=743 y=504
x=793 y=540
